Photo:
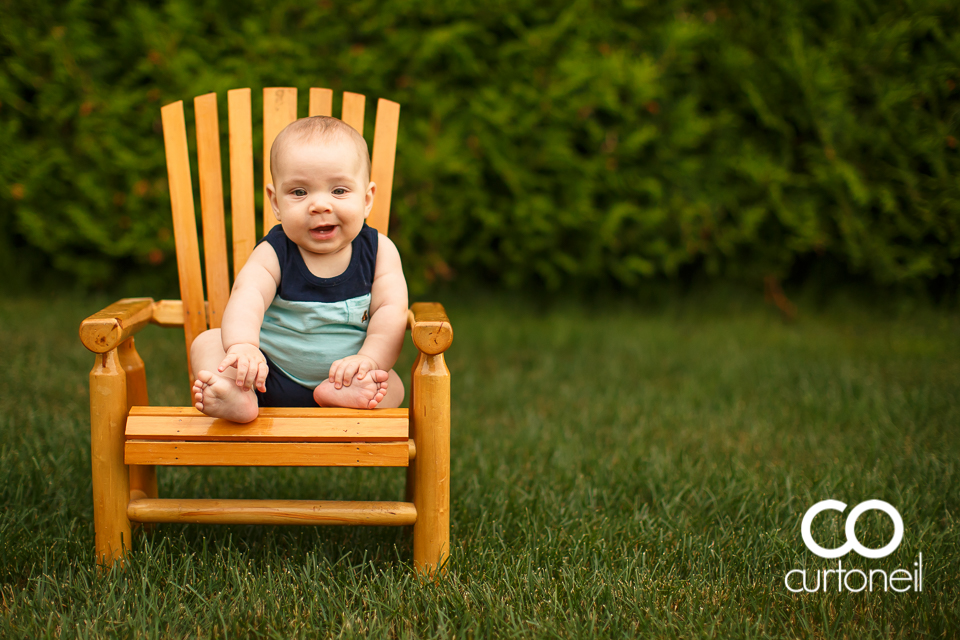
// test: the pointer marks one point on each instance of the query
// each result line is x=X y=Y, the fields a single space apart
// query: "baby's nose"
x=320 y=205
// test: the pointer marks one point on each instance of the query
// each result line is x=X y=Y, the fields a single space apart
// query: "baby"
x=318 y=313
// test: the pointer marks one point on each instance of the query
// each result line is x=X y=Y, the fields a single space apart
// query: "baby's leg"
x=215 y=393
x=376 y=389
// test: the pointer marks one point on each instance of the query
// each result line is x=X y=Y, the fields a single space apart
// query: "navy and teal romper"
x=313 y=321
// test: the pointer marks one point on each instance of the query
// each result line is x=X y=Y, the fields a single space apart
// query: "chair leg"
x=412 y=469
x=111 y=480
x=430 y=414
x=143 y=478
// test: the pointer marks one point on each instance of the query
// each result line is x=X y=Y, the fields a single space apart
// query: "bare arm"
x=253 y=291
x=388 y=308
x=388 y=319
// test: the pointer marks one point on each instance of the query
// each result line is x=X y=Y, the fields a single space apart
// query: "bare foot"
x=365 y=393
x=220 y=397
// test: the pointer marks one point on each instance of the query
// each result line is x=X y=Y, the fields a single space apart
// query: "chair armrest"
x=107 y=329
x=430 y=327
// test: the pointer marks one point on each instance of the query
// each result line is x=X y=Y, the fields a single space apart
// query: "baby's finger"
x=351 y=371
x=333 y=370
x=363 y=369
x=229 y=360
x=252 y=374
x=262 y=371
x=340 y=375
x=242 y=366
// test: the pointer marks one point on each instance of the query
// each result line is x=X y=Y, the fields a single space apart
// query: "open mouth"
x=324 y=232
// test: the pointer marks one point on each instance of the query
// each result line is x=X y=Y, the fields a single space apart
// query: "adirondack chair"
x=129 y=438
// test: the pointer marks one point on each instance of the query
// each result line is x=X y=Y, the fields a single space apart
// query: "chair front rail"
x=172 y=453
x=273 y=512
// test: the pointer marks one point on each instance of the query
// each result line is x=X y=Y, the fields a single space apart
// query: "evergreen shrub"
x=542 y=143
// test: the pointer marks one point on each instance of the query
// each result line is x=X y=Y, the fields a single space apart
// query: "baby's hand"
x=251 y=366
x=342 y=371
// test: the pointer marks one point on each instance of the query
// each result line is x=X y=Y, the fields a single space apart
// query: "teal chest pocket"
x=358 y=311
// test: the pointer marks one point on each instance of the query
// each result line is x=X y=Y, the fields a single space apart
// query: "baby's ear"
x=368 y=200
x=272 y=195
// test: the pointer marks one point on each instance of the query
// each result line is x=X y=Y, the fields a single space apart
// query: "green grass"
x=618 y=470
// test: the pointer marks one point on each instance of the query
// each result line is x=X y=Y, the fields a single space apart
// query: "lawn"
x=617 y=470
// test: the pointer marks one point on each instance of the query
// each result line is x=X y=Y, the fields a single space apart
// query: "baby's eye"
x=299 y=192
x=339 y=191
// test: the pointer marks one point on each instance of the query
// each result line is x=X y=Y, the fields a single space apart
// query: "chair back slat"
x=279 y=110
x=321 y=102
x=184 y=222
x=384 y=157
x=353 y=106
x=211 y=206
x=242 y=205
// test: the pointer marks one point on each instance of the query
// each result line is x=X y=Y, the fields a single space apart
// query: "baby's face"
x=321 y=194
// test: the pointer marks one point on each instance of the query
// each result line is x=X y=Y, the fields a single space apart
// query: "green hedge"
x=542 y=143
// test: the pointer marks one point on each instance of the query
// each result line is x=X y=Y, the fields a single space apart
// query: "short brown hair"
x=320 y=128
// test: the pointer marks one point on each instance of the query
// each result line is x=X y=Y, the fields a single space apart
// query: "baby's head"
x=321 y=191
x=318 y=130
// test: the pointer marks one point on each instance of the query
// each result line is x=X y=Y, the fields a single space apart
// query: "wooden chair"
x=129 y=438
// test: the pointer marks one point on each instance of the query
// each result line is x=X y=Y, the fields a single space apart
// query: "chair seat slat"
x=267 y=454
x=268 y=429
x=281 y=412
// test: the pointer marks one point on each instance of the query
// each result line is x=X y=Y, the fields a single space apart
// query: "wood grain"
x=279 y=110
x=267 y=429
x=107 y=329
x=111 y=480
x=242 y=206
x=274 y=512
x=211 y=207
x=321 y=102
x=184 y=223
x=142 y=478
x=430 y=413
x=431 y=329
x=267 y=454
x=384 y=159
x=353 y=110
x=282 y=412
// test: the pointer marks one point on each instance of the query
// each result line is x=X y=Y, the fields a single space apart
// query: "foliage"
x=542 y=143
